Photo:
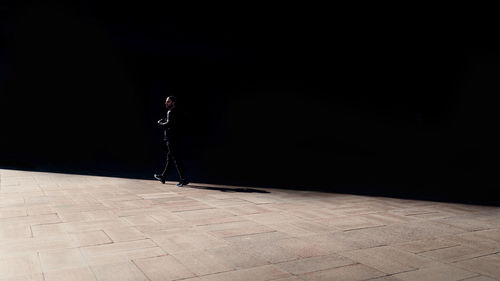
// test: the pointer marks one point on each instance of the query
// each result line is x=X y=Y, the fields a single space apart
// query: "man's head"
x=170 y=102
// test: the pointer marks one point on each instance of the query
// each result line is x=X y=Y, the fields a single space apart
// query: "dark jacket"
x=170 y=125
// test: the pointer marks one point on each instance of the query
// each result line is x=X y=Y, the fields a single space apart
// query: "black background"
x=384 y=100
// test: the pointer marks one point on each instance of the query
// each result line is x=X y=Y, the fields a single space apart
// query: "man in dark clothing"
x=171 y=138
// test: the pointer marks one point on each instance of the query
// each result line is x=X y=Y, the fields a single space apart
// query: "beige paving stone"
x=36 y=200
x=358 y=239
x=178 y=242
x=270 y=218
x=157 y=229
x=163 y=268
x=173 y=197
x=40 y=210
x=451 y=254
x=137 y=188
x=301 y=211
x=120 y=234
x=242 y=231
x=126 y=271
x=23 y=188
x=118 y=196
x=455 y=208
x=124 y=256
x=114 y=221
x=303 y=248
x=291 y=230
x=200 y=215
x=435 y=228
x=181 y=205
x=31 y=220
x=266 y=272
x=222 y=220
x=434 y=215
x=386 y=278
x=117 y=248
x=11 y=201
x=99 y=215
x=235 y=258
x=260 y=199
x=19 y=266
x=83 y=226
x=426 y=245
x=157 y=195
x=248 y=209
x=310 y=226
x=19 y=247
x=73 y=207
x=16 y=231
x=175 y=231
x=12 y=212
x=305 y=265
x=351 y=222
x=379 y=204
x=72 y=216
x=386 y=218
x=487 y=265
x=91 y=238
x=398 y=233
x=201 y=262
x=48 y=229
x=480 y=278
x=75 y=274
x=228 y=202
x=351 y=210
x=348 y=273
x=388 y=259
x=269 y=237
x=105 y=193
x=269 y=252
x=493 y=234
x=140 y=220
x=470 y=223
x=28 y=277
x=61 y=259
x=227 y=225
x=321 y=216
x=441 y=272
x=165 y=216
x=293 y=278
x=129 y=204
x=473 y=240
x=412 y=211
x=63 y=202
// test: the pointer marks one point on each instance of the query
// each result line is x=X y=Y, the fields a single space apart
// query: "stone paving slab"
x=81 y=227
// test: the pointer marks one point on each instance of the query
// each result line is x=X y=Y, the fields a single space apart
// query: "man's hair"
x=172 y=98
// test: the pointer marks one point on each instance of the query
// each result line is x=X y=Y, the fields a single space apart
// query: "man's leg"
x=162 y=177
x=174 y=157
x=169 y=159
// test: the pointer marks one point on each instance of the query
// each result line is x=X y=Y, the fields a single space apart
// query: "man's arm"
x=162 y=122
x=166 y=121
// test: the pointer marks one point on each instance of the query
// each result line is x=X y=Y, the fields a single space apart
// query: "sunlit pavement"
x=77 y=227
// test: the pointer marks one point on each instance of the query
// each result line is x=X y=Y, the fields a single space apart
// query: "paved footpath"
x=76 y=227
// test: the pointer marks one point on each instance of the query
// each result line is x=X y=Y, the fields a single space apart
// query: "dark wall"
x=339 y=98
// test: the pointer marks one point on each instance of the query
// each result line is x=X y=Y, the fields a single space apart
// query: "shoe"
x=160 y=178
x=182 y=183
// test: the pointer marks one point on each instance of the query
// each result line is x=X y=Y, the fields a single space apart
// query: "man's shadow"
x=225 y=189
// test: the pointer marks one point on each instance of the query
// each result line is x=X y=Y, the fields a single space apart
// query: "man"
x=171 y=138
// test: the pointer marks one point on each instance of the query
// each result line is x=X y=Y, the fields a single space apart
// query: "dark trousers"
x=173 y=157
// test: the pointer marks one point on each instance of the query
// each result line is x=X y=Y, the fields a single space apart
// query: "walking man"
x=171 y=138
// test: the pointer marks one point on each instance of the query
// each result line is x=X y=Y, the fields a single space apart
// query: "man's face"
x=168 y=103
